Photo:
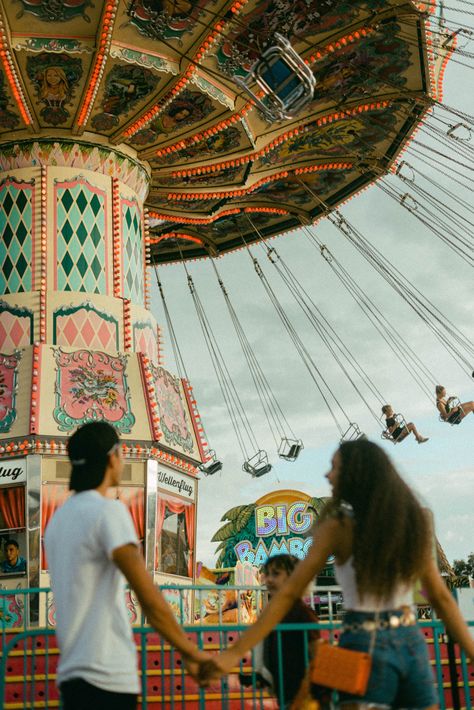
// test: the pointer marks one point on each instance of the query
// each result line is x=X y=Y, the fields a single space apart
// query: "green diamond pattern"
x=15 y=238
x=133 y=256
x=81 y=238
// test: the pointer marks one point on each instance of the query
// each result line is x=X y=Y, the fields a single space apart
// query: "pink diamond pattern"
x=86 y=328
x=145 y=342
x=14 y=332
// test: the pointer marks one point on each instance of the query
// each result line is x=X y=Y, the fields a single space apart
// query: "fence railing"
x=30 y=655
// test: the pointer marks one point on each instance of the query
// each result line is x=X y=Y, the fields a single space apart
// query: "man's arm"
x=130 y=562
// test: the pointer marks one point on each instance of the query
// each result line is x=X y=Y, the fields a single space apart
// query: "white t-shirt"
x=94 y=633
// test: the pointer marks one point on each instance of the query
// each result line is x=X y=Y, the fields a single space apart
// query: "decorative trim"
x=105 y=34
x=127 y=325
x=143 y=59
x=177 y=235
x=207 y=220
x=35 y=380
x=159 y=344
x=150 y=396
x=47 y=44
x=76 y=154
x=146 y=261
x=211 y=90
x=181 y=84
x=44 y=252
x=12 y=78
x=58 y=447
x=116 y=239
x=63 y=311
x=203 y=445
x=259 y=183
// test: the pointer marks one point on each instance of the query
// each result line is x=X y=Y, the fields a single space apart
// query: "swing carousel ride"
x=222 y=124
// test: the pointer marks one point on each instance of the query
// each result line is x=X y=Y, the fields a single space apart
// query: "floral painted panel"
x=92 y=386
x=8 y=387
x=175 y=421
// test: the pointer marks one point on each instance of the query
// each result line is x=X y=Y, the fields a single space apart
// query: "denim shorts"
x=401 y=675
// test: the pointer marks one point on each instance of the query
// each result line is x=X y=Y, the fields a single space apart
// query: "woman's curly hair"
x=392 y=532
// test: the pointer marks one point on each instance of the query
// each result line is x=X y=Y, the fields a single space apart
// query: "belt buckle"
x=395 y=621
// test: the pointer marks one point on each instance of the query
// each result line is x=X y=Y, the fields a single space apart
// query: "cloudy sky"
x=441 y=470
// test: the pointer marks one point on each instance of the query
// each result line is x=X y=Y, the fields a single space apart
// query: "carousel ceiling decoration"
x=164 y=78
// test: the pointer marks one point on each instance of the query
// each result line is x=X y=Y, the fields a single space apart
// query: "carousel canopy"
x=158 y=77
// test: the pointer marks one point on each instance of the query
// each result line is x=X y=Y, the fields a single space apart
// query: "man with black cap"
x=91 y=545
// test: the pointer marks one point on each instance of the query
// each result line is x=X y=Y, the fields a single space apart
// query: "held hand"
x=195 y=661
x=217 y=666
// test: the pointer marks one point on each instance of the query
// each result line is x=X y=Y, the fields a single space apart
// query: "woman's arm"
x=325 y=541
x=441 y=409
x=446 y=608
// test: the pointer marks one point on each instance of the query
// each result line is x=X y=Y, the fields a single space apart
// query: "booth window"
x=175 y=537
x=133 y=497
x=12 y=530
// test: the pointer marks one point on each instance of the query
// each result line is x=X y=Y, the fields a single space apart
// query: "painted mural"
x=125 y=86
x=380 y=59
x=227 y=176
x=340 y=138
x=293 y=192
x=12 y=609
x=165 y=19
x=8 y=388
x=91 y=386
x=56 y=10
x=8 y=119
x=189 y=108
x=280 y=522
x=54 y=77
x=220 y=143
x=295 y=19
x=174 y=418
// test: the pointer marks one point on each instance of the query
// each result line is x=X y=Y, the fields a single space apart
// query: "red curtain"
x=189 y=517
x=175 y=507
x=52 y=497
x=12 y=506
x=136 y=505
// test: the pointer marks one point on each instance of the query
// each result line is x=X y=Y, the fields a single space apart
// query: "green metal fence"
x=30 y=654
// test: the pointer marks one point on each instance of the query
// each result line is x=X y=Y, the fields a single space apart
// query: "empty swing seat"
x=257 y=465
x=395 y=436
x=290 y=449
x=353 y=433
x=212 y=465
x=287 y=82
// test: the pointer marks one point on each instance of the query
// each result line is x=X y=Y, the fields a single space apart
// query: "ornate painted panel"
x=8 y=119
x=54 y=78
x=85 y=326
x=81 y=237
x=16 y=327
x=16 y=244
x=145 y=339
x=8 y=387
x=175 y=421
x=133 y=254
x=91 y=386
x=56 y=11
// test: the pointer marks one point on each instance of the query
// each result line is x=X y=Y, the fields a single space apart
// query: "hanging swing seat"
x=257 y=465
x=287 y=82
x=212 y=465
x=353 y=433
x=400 y=431
x=290 y=449
x=456 y=416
